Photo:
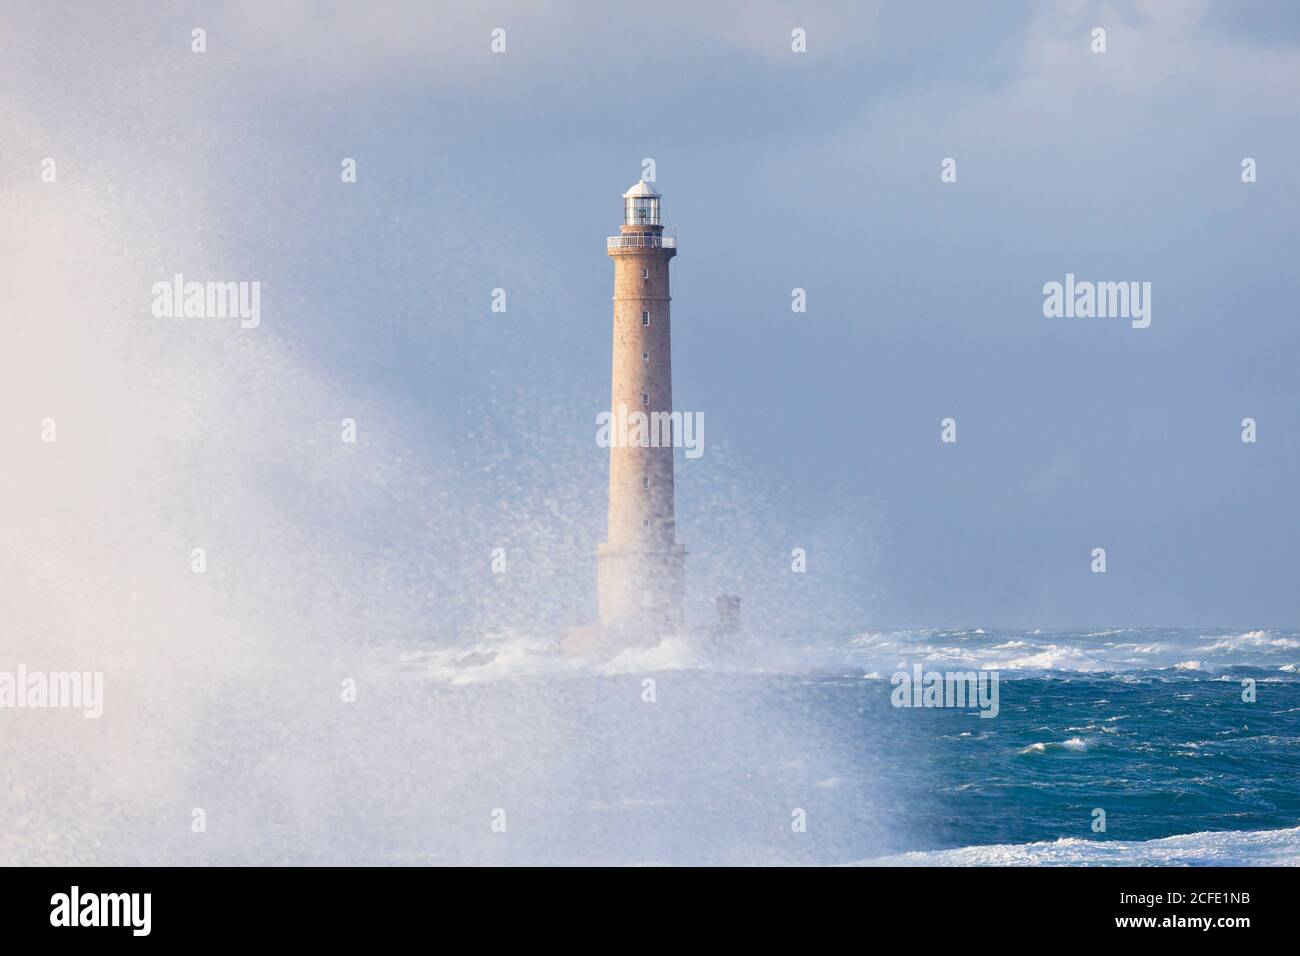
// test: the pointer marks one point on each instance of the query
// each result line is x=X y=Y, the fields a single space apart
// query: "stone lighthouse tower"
x=641 y=567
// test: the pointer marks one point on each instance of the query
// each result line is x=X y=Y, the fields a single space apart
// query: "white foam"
x=1042 y=653
x=1075 y=744
x=1223 y=848
x=1252 y=640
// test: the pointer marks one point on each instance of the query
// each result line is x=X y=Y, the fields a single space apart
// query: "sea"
x=1130 y=746
x=1187 y=741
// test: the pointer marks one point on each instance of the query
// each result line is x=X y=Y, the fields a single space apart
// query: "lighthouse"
x=640 y=566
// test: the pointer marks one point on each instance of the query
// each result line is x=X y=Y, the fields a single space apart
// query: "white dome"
x=641 y=189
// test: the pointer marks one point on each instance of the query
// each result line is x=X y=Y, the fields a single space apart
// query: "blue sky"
x=779 y=170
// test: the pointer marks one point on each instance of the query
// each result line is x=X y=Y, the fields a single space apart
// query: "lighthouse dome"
x=642 y=188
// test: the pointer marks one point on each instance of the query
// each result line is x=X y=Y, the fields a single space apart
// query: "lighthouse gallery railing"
x=640 y=242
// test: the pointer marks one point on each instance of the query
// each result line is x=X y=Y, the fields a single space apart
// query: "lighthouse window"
x=645 y=273
x=645 y=522
x=645 y=399
x=645 y=484
x=645 y=318
x=645 y=358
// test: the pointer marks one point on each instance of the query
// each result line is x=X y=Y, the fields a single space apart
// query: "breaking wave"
x=1230 y=848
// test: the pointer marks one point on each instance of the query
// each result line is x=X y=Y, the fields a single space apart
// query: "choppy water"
x=1148 y=725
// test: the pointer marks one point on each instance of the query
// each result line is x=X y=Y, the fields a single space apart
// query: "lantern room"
x=641 y=205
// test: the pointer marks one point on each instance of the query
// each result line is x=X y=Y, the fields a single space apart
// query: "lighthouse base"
x=642 y=593
x=596 y=642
